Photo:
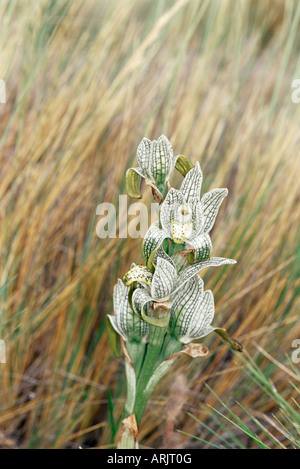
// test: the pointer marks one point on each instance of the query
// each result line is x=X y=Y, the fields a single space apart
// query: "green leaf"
x=140 y=299
x=156 y=159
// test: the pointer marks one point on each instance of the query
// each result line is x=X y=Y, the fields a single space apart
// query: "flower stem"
x=156 y=339
x=171 y=345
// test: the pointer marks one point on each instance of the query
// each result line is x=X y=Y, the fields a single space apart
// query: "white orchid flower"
x=156 y=161
x=153 y=302
x=125 y=322
x=187 y=218
x=192 y=313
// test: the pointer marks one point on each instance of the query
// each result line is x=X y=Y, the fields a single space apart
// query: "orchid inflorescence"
x=161 y=307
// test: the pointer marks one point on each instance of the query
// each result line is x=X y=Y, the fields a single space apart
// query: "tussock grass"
x=86 y=80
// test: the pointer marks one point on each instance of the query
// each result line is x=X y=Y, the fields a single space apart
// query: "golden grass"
x=86 y=80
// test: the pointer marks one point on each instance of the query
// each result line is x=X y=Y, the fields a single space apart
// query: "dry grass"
x=86 y=80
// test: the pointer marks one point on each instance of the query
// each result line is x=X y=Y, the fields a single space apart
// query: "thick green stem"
x=156 y=339
x=160 y=347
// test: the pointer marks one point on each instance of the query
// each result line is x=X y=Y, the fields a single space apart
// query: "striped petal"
x=142 y=302
x=156 y=158
x=140 y=298
x=183 y=302
x=186 y=274
x=152 y=241
x=161 y=160
x=173 y=200
x=124 y=320
x=196 y=321
x=164 y=279
x=211 y=202
x=161 y=253
x=143 y=155
x=191 y=185
x=138 y=273
x=202 y=247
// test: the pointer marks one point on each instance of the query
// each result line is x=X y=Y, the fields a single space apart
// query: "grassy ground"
x=86 y=81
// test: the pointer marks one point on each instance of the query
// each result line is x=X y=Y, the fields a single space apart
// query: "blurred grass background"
x=86 y=81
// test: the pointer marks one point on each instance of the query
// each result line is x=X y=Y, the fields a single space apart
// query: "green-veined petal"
x=196 y=322
x=164 y=279
x=140 y=298
x=142 y=301
x=193 y=269
x=156 y=159
x=143 y=155
x=211 y=202
x=172 y=202
x=191 y=185
x=152 y=241
x=161 y=160
x=202 y=248
x=124 y=321
x=183 y=303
